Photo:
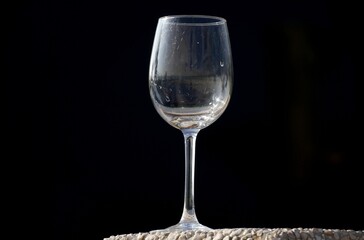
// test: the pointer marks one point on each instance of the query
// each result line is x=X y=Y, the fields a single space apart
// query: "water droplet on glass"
x=221 y=63
x=167 y=99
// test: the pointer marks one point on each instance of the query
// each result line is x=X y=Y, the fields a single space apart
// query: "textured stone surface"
x=249 y=234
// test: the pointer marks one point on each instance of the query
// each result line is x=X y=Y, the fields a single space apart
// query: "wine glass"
x=190 y=84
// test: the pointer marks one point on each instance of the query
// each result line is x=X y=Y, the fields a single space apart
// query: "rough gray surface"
x=249 y=234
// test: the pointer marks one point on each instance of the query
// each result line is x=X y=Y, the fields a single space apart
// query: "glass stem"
x=189 y=215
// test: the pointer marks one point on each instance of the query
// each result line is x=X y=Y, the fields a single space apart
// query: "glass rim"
x=214 y=20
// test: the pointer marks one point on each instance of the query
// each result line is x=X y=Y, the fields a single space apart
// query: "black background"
x=89 y=157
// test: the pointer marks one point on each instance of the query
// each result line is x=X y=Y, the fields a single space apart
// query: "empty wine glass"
x=190 y=84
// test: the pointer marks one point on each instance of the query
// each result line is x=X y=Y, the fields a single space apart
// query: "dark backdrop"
x=85 y=146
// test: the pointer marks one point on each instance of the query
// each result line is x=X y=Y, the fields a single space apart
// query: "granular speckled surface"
x=248 y=234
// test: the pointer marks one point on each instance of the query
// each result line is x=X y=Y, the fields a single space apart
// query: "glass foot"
x=184 y=226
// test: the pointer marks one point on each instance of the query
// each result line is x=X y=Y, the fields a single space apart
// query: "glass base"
x=184 y=226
